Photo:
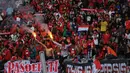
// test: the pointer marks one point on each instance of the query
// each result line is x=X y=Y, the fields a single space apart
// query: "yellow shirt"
x=104 y=26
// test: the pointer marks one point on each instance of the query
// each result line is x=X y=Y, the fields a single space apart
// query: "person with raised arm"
x=63 y=47
x=49 y=53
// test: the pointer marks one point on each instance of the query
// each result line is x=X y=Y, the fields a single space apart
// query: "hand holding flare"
x=34 y=34
x=41 y=44
x=50 y=34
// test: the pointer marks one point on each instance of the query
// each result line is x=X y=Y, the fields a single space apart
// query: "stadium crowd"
x=80 y=29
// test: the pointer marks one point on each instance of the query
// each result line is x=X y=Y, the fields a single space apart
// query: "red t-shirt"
x=26 y=54
x=101 y=55
x=39 y=8
x=13 y=29
x=21 y=31
x=33 y=3
x=68 y=26
x=106 y=38
x=72 y=51
x=1 y=58
x=37 y=58
x=78 y=19
x=6 y=42
x=99 y=1
x=115 y=45
x=39 y=48
x=127 y=24
x=7 y=55
x=91 y=3
x=85 y=51
x=105 y=3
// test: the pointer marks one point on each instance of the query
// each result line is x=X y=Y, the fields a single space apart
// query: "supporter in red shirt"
x=39 y=48
x=100 y=1
x=38 y=58
x=33 y=3
x=106 y=38
x=61 y=8
x=91 y=4
x=39 y=8
x=72 y=52
x=78 y=20
x=115 y=46
x=13 y=29
x=105 y=3
x=50 y=11
x=7 y=55
x=25 y=53
x=1 y=58
x=101 y=54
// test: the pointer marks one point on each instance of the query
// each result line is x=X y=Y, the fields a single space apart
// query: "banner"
x=24 y=66
x=78 y=68
x=115 y=66
x=108 y=66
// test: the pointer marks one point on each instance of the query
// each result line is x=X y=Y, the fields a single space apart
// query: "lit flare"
x=50 y=34
x=34 y=34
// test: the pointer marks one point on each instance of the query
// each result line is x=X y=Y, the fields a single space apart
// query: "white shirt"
x=64 y=49
x=95 y=39
x=110 y=13
x=18 y=19
x=88 y=18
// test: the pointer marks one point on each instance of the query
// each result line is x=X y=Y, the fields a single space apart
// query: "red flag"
x=96 y=67
x=111 y=51
x=98 y=64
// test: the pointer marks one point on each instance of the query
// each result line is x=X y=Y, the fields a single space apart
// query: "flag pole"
x=42 y=58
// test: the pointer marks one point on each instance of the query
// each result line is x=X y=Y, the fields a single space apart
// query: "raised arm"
x=56 y=43
x=41 y=44
x=68 y=45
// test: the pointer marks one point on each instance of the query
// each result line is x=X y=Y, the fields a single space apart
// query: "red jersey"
x=26 y=54
x=106 y=38
x=1 y=58
x=7 y=55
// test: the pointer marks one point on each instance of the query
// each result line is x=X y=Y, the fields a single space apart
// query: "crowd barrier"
x=108 y=66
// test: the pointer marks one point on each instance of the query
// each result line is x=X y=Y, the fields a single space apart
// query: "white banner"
x=24 y=66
